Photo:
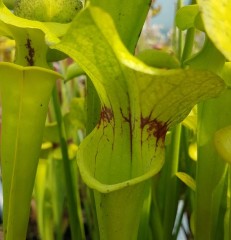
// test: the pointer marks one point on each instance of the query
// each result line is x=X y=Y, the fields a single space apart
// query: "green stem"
x=144 y=228
x=188 y=47
x=71 y=191
x=180 y=34
x=47 y=221
x=171 y=182
x=93 y=112
x=156 y=224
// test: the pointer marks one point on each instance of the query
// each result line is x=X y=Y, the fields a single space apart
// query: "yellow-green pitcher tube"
x=119 y=212
x=25 y=94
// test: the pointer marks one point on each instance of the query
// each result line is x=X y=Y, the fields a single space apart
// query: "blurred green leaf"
x=209 y=57
x=222 y=140
x=185 y=16
x=72 y=150
x=191 y=120
x=158 y=58
x=50 y=133
x=73 y=70
x=54 y=55
x=226 y=73
x=188 y=180
x=192 y=151
x=78 y=113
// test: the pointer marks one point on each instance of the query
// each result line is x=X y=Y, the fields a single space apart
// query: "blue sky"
x=166 y=16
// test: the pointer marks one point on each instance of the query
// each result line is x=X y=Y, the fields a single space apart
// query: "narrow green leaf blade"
x=187 y=179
